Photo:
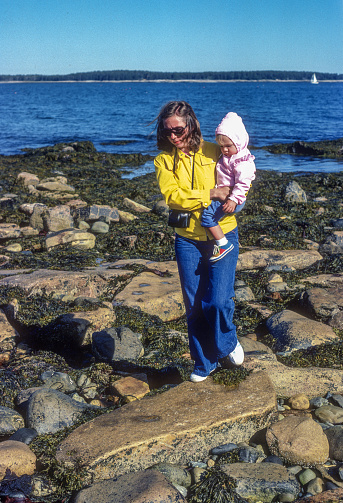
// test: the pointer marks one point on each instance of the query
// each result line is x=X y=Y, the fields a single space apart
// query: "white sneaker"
x=237 y=355
x=196 y=378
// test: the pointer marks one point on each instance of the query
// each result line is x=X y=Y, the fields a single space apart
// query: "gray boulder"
x=294 y=193
x=116 y=344
x=49 y=411
x=292 y=331
x=58 y=380
x=10 y=421
x=262 y=481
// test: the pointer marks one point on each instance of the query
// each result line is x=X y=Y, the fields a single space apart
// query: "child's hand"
x=229 y=206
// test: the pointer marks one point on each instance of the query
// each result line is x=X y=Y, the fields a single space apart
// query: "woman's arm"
x=220 y=193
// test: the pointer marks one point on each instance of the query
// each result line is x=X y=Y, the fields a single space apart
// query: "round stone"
x=298 y=440
x=299 y=402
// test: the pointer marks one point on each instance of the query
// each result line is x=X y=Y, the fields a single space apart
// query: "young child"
x=235 y=168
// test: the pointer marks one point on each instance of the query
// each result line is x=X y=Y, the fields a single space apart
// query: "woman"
x=186 y=175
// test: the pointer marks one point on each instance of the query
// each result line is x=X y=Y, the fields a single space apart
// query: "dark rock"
x=10 y=421
x=25 y=435
x=222 y=449
x=273 y=459
x=248 y=455
x=49 y=411
x=117 y=344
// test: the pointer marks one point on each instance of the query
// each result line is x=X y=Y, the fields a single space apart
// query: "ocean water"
x=39 y=114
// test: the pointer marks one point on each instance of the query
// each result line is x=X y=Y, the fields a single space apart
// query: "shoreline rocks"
x=94 y=337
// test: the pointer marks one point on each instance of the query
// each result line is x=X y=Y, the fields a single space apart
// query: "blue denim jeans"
x=208 y=291
x=211 y=215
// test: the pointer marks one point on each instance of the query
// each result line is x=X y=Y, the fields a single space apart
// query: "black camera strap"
x=192 y=166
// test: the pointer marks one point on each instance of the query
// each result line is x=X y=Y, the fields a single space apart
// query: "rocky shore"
x=95 y=398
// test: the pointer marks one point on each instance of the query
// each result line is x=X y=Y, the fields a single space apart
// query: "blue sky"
x=64 y=36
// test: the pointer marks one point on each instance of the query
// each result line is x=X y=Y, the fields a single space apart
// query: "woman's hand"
x=220 y=193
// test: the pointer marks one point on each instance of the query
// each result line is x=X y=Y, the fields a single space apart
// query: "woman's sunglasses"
x=178 y=131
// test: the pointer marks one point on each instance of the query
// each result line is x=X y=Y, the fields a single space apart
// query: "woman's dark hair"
x=185 y=111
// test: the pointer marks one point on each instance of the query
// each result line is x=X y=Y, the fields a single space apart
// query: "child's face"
x=227 y=147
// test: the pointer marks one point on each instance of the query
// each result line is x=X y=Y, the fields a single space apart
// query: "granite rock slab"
x=181 y=425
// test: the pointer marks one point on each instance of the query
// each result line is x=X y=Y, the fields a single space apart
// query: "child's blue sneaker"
x=220 y=251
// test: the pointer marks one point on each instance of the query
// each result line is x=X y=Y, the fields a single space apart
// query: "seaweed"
x=215 y=487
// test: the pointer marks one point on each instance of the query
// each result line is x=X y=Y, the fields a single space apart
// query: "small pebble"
x=318 y=402
x=306 y=476
x=315 y=486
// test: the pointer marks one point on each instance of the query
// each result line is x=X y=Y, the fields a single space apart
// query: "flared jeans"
x=208 y=291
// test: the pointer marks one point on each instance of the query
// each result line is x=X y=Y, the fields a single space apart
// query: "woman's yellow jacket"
x=177 y=189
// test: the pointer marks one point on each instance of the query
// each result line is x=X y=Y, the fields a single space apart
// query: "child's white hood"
x=233 y=127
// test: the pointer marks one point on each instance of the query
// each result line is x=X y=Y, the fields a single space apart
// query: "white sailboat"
x=314 y=79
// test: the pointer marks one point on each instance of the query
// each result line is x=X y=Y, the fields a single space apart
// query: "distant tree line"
x=141 y=75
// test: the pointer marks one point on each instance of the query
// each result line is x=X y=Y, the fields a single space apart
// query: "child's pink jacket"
x=237 y=171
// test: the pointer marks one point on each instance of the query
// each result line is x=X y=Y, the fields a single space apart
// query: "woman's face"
x=180 y=142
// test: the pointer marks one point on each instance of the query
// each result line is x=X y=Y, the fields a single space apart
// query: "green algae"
x=230 y=377
x=215 y=487
x=326 y=355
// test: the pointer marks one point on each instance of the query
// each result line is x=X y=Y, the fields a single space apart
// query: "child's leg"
x=216 y=232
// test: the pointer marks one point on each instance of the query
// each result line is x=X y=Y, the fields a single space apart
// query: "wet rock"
x=25 y=179
x=57 y=219
x=55 y=185
x=58 y=380
x=139 y=434
x=294 y=193
x=125 y=217
x=75 y=238
x=116 y=344
x=322 y=302
x=89 y=283
x=10 y=421
x=244 y=294
x=133 y=206
x=330 y=414
x=299 y=440
x=50 y=410
x=176 y=474
x=156 y=291
x=332 y=496
x=262 y=482
x=335 y=438
x=288 y=380
x=97 y=212
x=25 y=435
x=8 y=335
x=258 y=259
x=100 y=228
x=82 y=324
x=292 y=331
x=130 y=388
x=9 y=231
x=140 y=487
x=17 y=458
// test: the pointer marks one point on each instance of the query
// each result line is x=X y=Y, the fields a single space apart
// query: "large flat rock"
x=156 y=291
x=297 y=259
x=288 y=381
x=89 y=283
x=178 y=426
